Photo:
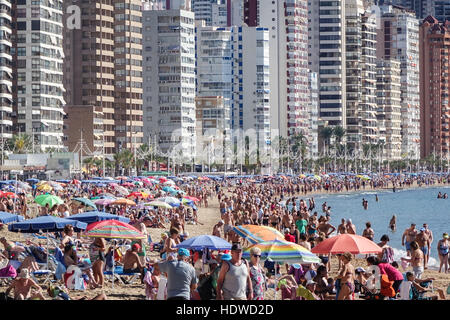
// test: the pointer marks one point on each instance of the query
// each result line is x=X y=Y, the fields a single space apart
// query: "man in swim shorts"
x=409 y=236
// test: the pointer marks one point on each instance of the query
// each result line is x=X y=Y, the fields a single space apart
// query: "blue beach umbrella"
x=6 y=217
x=205 y=242
x=94 y=216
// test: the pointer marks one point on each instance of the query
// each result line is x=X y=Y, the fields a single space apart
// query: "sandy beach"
x=208 y=217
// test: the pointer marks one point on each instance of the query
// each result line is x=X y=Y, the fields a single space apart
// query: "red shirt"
x=289 y=237
x=392 y=273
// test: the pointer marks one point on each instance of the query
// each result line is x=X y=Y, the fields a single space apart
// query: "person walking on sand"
x=234 y=282
x=347 y=277
x=442 y=248
x=416 y=259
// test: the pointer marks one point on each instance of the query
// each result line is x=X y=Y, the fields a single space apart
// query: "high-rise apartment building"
x=214 y=59
x=6 y=99
x=103 y=73
x=313 y=111
x=435 y=87
x=360 y=66
x=169 y=77
x=287 y=22
x=398 y=38
x=213 y=12
x=389 y=108
x=38 y=63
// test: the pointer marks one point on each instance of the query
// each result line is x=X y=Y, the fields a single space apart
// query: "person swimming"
x=392 y=223
x=439 y=196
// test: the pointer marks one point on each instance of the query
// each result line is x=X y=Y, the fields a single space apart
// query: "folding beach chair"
x=118 y=273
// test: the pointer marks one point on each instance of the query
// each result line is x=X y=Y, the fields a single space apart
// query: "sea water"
x=419 y=206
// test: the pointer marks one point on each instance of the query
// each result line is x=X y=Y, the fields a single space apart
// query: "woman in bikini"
x=346 y=277
x=443 y=249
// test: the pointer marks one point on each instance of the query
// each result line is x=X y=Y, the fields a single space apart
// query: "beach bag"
x=448 y=289
x=73 y=279
x=388 y=255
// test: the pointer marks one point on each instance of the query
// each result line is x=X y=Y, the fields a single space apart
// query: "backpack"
x=388 y=255
x=206 y=289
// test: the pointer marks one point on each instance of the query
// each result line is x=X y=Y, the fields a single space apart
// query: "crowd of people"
x=280 y=203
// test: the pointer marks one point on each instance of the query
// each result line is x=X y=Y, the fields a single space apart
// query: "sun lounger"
x=118 y=273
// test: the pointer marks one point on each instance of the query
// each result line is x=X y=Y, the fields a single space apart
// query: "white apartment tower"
x=389 y=108
x=398 y=39
x=169 y=79
x=38 y=55
x=6 y=99
x=251 y=107
x=287 y=22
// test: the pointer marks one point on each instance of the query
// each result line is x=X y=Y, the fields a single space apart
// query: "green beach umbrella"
x=49 y=199
x=86 y=202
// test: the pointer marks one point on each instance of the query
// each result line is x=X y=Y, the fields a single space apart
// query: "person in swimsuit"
x=368 y=232
x=443 y=247
x=23 y=285
x=97 y=257
x=170 y=248
x=346 y=277
x=409 y=236
x=393 y=223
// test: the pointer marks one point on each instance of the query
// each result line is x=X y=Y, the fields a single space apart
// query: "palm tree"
x=21 y=143
x=326 y=133
x=299 y=144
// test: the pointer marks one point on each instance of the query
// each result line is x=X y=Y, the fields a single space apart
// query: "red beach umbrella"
x=346 y=243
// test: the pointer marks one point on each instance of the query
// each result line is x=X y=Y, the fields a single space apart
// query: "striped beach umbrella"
x=255 y=234
x=283 y=251
x=113 y=229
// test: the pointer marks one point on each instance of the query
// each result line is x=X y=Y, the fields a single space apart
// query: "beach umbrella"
x=23 y=185
x=75 y=181
x=86 y=202
x=6 y=217
x=205 y=242
x=113 y=229
x=342 y=243
x=121 y=178
x=168 y=189
x=46 y=224
x=49 y=199
x=158 y=204
x=120 y=189
x=170 y=200
x=191 y=198
x=255 y=234
x=127 y=184
x=103 y=202
x=169 y=183
x=45 y=187
x=94 y=216
x=138 y=194
x=32 y=180
x=8 y=195
x=124 y=202
x=283 y=251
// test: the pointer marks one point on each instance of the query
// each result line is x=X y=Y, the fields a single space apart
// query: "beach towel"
x=405 y=288
x=60 y=271
x=162 y=289
x=8 y=272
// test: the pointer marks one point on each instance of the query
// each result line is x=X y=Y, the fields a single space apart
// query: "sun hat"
x=310 y=282
x=445 y=235
x=183 y=252
x=296 y=265
x=24 y=274
x=422 y=229
x=136 y=246
x=360 y=269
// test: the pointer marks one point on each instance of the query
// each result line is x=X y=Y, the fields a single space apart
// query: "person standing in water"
x=393 y=223
x=376 y=198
